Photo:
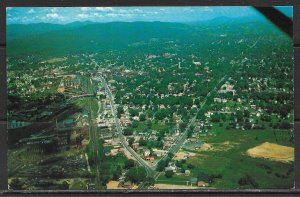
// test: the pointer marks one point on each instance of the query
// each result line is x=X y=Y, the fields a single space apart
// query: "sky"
x=64 y=15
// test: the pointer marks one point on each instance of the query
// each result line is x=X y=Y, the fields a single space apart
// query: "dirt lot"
x=206 y=147
x=273 y=152
x=180 y=155
x=225 y=146
x=113 y=185
x=167 y=186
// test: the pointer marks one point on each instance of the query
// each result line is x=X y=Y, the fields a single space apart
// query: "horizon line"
x=145 y=21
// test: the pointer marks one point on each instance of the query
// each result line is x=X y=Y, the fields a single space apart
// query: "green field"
x=228 y=158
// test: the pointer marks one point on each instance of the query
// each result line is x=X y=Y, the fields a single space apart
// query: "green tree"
x=189 y=133
x=169 y=173
x=133 y=112
x=130 y=141
x=142 y=117
x=16 y=184
x=190 y=166
x=239 y=115
x=247 y=180
x=205 y=177
x=142 y=142
x=56 y=171
x=117 y=173
x=129 y=163
x=128 y=131
x=136 y=175
x=161 y=114
x=149 y=181
x=65 y=185
x=149 y=124
x=135 y=124
x=161 y=165
x=120 y=111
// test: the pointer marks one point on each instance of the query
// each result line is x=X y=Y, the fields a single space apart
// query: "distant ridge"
x=87 y=36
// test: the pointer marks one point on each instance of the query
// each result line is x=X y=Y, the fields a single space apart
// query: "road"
x=174 y=149
x=149 y=168
x=179 y=142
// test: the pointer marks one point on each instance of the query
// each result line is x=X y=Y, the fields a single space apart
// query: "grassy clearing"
x=175 y=180
x=228 y=158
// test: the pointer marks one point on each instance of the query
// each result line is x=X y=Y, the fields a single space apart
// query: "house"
x=202 y=184
x=127 y=184
x=167 y=144
x=153 y=137
x=147 y=153
x=171 y=167
x=136 y=145
x=114 y=152
x=159 y=153
x=209 y=113
x=225 y=88
x=108 y=141
x=149 y=158
x=220 y=100
x=187 y=172
x=61 y=89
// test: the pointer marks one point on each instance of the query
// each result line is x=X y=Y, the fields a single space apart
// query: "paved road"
x=179 y=142
x=149 y=168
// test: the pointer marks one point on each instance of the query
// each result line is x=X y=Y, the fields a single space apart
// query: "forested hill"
x=79 y=37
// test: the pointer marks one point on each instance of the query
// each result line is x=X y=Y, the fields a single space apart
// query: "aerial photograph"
x=149 y=98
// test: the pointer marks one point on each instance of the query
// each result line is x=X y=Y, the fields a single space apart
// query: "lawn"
x=175 y=180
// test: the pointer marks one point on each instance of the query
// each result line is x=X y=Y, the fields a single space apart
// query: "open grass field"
x=227 y=156
x=175 y=180
x=229 y=159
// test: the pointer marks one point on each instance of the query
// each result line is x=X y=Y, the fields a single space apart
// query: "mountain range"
x=44 y=38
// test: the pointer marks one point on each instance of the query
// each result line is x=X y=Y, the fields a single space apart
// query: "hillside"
x=42 y=39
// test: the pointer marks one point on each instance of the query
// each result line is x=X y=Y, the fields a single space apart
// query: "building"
x=187 y=172
x=149 y=158
x=171 y=167
x=147 y=153
x=127 y=185
x=202 y=184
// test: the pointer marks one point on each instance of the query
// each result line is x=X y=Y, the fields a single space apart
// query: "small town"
x=160 y=113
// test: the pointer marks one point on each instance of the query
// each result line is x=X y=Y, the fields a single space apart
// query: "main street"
x=149 y=168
